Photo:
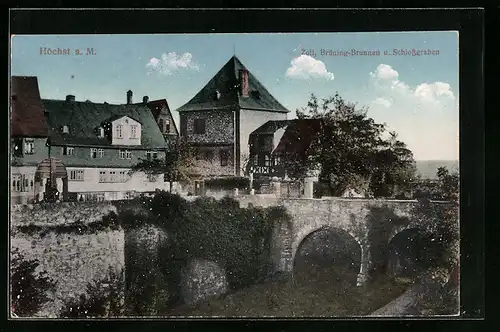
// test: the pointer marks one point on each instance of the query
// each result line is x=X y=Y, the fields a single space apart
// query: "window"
x=122 y=154
x=76 y=175
x=277 y=160
x=101 y=132
x=100 y=153
x=267 y=160
x=152 y=177
x=128 y=154
x=224 y=156
x=161 y=125
x=123 y=176
x=167 y=126
x=113 y=195
x=17 y=182
x=18 y=147
x=93 y=153
x=151 y=155
x=65 y=129
x=102 y=176
x=133 y=131
x=119 y=131
x=29 y=146
x=112 y=176
x=68 y=151
x=199 y=126
x=128 y=195
x=100 y=197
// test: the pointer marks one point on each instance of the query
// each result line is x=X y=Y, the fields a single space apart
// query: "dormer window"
x=65 y=129
x=119 y=131
x=133 y=131
x=101 y=132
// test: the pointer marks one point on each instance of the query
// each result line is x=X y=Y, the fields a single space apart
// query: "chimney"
x=145 y=100
x=129 y=97
x=244 y=82
x=70 y=98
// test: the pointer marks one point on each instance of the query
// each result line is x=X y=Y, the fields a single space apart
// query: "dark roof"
x=270 y=127
x=226 y=82
x=298 y=136
x=83 y=118
x=27 y=111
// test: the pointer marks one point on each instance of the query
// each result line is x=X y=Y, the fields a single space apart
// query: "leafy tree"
x=179 y=158
x=28 y=288
x=448 y=184
x=350 y=147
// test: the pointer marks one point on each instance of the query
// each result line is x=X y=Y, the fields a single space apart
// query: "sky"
x=415 y=94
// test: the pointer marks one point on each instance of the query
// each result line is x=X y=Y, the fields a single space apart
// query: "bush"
x=236 y=238
x=28 y=289
x=104 y=298
x=228 y=183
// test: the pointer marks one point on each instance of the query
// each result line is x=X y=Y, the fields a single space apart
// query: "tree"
x=350 y=147
x=175 y=166
x=448 y=184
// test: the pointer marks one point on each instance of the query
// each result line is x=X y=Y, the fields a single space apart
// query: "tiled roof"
x=83 y=118
x=27 y=110
x=298 y=136
x=270 y=127
x=226 y=82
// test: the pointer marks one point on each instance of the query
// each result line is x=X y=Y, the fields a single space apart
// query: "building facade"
x=282 y=148
x=218 y=120
x=80 y=150
x=29 y=133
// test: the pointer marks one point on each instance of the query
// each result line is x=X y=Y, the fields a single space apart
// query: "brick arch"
x=305 y=234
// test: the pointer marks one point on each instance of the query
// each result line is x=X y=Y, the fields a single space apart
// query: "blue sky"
x=417 y=96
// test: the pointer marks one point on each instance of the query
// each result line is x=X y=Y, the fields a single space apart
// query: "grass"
x=320 y=291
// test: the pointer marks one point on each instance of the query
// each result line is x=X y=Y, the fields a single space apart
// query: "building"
x=99 y=143
x=282 y=148
x=29 y=133
x=218 y=120
x=162 y=115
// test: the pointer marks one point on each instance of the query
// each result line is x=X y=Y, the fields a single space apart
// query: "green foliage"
x=178 y=160
x=104 y=298
x=109 y=221
x=28 y=288
x=228 y=183
x=350 y=146
x=238 y=239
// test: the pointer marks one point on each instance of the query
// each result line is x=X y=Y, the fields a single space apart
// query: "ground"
x=315 y=291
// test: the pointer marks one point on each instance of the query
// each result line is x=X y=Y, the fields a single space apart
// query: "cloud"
x=382 y=101
x=306 y=67
x=387 y=79
x=171 y=63
x=384 y=72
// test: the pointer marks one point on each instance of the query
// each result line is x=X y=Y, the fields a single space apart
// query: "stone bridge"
x=356 y=218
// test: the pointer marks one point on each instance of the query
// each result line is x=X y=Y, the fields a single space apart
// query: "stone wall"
x=71 y=259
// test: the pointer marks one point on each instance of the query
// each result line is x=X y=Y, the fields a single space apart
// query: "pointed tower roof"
x=225 y=84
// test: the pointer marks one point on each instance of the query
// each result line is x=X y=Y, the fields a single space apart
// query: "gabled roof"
x=83 y=118
x=27 y=111
x=119 y=116
x=298 y=136
x=226 y=82
x=270 y=127
x=156 y=107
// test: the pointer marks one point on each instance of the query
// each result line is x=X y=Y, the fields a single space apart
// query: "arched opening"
x=411 y=251
x=51 y=180
x=328 y=255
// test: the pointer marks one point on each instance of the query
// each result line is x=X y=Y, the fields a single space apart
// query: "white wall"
x=251 y=120
x=137 y=182
x=126 y=122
